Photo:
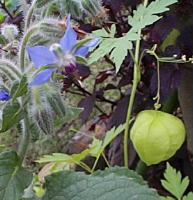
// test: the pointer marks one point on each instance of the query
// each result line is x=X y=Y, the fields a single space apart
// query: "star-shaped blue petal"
x=43 y=56
x=4 y=96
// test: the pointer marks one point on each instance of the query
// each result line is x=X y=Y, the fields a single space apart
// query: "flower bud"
x=9 y=31
x=157 y=136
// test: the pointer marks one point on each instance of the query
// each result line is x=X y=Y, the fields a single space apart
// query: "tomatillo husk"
x=157 y=136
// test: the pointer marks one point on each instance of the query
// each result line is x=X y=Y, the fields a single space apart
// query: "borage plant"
x=32 y=103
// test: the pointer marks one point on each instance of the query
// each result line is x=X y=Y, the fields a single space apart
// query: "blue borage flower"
x=62 y=54
x=4 y=96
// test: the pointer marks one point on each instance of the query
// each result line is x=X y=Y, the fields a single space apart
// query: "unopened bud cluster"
x=9 y=31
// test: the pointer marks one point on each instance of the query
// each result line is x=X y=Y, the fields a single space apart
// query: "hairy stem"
x=136 y=78
x=23 y=45
x=29 y=15
x=25 y=138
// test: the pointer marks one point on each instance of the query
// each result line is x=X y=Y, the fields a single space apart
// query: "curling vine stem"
x=136 y=79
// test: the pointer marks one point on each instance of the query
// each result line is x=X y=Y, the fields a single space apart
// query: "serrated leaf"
x=69 y=185
x=120 y=51
x=121 y=171
x=61 y=157
x=100 y=33
x=12 y=114
x=116 y=47
x=19 y=88
x=13 y=178
x=97 y=146
x=160 y=6
x=145 y=16
x=104 y=48
x=112 y=134
x=174 y=182
x=189 y=196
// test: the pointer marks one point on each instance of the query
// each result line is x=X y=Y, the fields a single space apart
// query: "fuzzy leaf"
x=12 y=114
x=19 y=88
x=70 y=185
x=13 y=178
x=174 y=182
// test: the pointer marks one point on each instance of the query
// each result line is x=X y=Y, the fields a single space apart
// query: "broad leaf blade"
x=68 y=185
x=13 y=179
x=121 y=171
x=12 y=114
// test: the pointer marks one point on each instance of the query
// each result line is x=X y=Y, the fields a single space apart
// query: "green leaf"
x=160 y=6
x=104 y=48
x=69 y=185
x=120 y=51
x=80 y=59
x=145 y=16
x=170 y=39
x=13 y=178
x=61 y=157
x=116 y=47
x=12 y=114
x=189 y=196
x=112 y=134
x=97 y=146
x=112 y=31
x=121 y=171
x=166 y=198
x=19 y=88
x=100 y=33
x=174 y=182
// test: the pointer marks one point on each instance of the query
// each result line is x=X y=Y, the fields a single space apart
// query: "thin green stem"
x=157 y=97
x=24 y=44
x=105 y=158
x=95 y=163
x=85 y=166
x=136 y=79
